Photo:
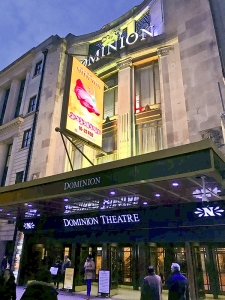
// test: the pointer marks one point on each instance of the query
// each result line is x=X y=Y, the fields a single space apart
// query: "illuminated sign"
x=81 y=183
x=209 y=211
x=85 y=104
x=117 y=45
x=28 y=225
x=103 y=219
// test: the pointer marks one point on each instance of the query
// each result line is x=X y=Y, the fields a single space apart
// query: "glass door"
x=220 y=260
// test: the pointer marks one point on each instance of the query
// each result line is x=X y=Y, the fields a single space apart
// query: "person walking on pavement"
x=4 y=264
x=177 y=284
x=89 y=273
x=152 y=286
x=66 y=264
x=56 y=277
x=8 y=291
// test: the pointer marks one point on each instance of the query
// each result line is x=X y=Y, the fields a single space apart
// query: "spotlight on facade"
x=157 y=195
x=145 y=203
x=175 y=184
x=112 y=193
x=66 y=200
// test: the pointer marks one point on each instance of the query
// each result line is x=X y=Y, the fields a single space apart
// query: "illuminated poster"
x=85 y=105
x=68 y=281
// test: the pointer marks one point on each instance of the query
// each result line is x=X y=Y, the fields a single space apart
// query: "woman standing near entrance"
x=89 y=274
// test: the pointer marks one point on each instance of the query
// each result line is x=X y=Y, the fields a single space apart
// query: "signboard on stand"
x=68 y=281
x=104 y=282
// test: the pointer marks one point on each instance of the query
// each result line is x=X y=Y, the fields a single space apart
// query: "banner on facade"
x=68 y=281
x=82 y=114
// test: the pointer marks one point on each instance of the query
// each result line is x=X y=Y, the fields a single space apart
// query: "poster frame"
x=100 y=291
x=65 y=103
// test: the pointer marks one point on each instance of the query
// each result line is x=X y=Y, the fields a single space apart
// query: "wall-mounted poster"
x=83 y=103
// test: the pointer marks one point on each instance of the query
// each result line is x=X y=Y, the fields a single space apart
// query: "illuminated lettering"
x=82 y=183
x=130 y=40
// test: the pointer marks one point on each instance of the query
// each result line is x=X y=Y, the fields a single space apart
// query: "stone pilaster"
x=12 y=100
x=124 y=140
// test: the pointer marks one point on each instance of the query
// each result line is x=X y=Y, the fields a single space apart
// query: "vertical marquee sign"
x=82 y=114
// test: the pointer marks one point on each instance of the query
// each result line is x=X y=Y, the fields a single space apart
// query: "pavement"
x=122 y=294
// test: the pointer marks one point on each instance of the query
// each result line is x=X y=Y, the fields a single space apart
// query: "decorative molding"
x=164 y=51
x=14 y=123
x=127 y=63
x=214 y=134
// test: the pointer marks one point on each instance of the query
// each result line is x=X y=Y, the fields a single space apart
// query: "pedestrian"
x=41 y=288
x=8 y=291
x=89 y=273
x=56 y=278
x=177 y=284
x=4 y=264
x=152 y=286
x=66 y=264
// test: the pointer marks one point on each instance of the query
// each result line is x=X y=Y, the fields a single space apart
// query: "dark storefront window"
x=20 y=96
x=5 y=171
x=220 y=259
x=147 y=86
x=4 y=106
x=126 y=253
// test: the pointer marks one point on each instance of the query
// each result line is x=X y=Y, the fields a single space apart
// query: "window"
x=19 y=177
x=4 y=105
x=147 y=86
x=4 y=175
x=111 y=97
x=37 y=70
x=26 y=138
x=20 y=96
x=149 y=137
x=32 y=104
x=109 y=137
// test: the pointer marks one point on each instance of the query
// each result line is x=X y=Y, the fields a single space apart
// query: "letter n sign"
x=209 y=211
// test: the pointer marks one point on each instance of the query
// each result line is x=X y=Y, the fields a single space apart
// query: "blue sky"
x=26 y=23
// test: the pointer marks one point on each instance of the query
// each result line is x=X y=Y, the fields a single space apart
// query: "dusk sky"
x=24 y=24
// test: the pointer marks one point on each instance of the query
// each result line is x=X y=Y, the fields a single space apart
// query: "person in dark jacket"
x=8 y=290
x=4 y=264
x=56 y=278
x=66 y=264
x=41 y=289
x=177 y=284
x=152 y=286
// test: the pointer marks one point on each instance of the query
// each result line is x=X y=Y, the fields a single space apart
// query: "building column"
x=191 y=270
x=125 y=109
x=11 y=162
x=174 y=114
x=12 y=101
x=23 y=103
x=211 y=268
x=2 y=96
x=106 y=256
x=3 y=153
x=142 y=262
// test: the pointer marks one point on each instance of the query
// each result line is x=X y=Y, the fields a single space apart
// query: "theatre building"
x=112 y=143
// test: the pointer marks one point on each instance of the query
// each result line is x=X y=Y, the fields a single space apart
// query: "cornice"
x=9 y=125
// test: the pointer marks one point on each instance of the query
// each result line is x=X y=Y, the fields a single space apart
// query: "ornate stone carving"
x=127 y=63
x=164 y=51
x=215 y=134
